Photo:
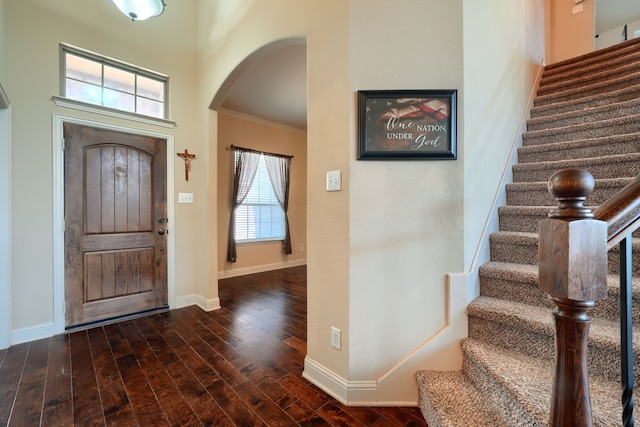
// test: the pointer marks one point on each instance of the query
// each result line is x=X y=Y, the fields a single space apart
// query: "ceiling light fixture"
x=139 y=10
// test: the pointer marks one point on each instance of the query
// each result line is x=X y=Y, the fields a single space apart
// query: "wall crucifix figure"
x=187 y=162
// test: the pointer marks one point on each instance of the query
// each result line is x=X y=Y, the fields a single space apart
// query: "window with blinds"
x=260 y=217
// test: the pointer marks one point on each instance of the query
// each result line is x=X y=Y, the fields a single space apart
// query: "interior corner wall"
x=500 y=71
x=406 y=217
x=244 y=131
x=572 y=31
x=325 y=27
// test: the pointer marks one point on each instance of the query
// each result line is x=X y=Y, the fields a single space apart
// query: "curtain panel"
x=245 y=163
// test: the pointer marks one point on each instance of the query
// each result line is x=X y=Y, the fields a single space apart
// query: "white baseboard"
x=208 y=304
x=259 y=268
x=195 y=299
x=32 y=333
x=354 y=393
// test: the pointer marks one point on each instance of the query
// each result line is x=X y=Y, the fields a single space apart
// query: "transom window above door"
x=94 y=79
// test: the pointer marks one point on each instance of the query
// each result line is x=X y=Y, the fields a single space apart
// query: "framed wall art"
x=407 y=124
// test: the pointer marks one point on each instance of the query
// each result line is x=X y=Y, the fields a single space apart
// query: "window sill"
x=98 y=109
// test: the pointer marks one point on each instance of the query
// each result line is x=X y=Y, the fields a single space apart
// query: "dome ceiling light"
x=139 y=10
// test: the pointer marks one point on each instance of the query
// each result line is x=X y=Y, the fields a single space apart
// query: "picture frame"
x=407 y=124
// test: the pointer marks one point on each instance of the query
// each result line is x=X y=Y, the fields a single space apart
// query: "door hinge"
x=63 y=144
x=64 y=225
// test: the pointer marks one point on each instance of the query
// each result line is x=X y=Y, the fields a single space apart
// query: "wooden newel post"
x=572 y=259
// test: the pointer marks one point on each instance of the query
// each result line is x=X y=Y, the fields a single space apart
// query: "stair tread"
x=614 y=107
x=581 y=143
x=628 y=92
x=618 y=121
x=536 y=185
x=561 y=164
x=540 y=320
x=528 y=381
x=468 y=409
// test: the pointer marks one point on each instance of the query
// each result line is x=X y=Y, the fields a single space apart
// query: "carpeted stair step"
x=587 y=130
x=522 y=218
x=503 y=388
x=610 y=97
x=618 y=65
x=586 y=148
x=530 y=330
x=469 y=408
x=512 y=282
x=579 y=78
x=521 y=386
x=604 y=167
x=599 y=113
x=519 y=283
x=595 y=88
x=537 y=193
x=522 y=248
x=599 y=56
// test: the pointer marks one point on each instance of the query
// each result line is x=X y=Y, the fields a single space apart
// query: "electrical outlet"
x=335 y=338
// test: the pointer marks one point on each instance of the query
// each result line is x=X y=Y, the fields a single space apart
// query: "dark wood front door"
x=115 y=224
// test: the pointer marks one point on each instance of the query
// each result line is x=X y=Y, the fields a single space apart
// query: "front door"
x=115 y=224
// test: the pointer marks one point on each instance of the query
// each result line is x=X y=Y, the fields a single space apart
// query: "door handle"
x=161 y=232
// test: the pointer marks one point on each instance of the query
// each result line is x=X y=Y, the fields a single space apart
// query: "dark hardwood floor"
x=240 y=365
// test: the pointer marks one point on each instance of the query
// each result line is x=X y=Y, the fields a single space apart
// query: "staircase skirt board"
x=586 y=115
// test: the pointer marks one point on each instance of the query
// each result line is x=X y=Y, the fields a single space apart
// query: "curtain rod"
x=235 y=147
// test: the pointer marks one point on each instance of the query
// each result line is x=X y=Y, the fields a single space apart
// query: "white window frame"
x=63 y=101
x=246 y=202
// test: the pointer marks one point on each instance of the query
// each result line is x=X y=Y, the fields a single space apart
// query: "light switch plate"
x=334 y=181
x=185 y=197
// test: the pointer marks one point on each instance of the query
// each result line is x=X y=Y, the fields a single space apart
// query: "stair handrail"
x=621 y=213
x=572 y=262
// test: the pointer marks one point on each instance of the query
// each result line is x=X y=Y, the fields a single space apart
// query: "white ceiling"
x=275 y=88
x=615 y=13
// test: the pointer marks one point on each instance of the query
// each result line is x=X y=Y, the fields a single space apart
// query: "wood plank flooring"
x=240 y=365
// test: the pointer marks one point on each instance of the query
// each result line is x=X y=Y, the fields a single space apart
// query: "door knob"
x=161 y=232
x=162 y=220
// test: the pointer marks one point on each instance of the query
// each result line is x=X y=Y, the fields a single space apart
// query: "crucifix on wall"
x=187 y=162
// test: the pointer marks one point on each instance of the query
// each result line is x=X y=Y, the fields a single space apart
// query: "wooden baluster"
x=572 y=257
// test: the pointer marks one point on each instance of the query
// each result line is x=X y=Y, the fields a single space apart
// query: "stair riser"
x=584 y=131
x=519 y=253
x=530 y=293
x=602 y=113
x=513 y=411
x=540 y=196
x=604 y=147
x=601 y=361
x=587 y=74
x=587 y=91
x=611 y=167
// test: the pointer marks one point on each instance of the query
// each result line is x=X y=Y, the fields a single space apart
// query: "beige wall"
x=243 y=131
x=570 y=34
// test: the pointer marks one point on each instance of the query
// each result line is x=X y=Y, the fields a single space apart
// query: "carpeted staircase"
x=587 y=115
